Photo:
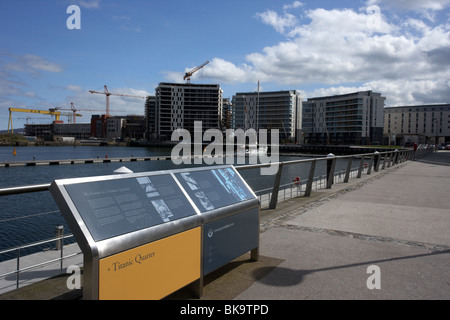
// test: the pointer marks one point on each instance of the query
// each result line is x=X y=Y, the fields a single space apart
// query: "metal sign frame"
x=94 y=250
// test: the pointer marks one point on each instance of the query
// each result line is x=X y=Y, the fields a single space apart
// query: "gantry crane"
x=52 y=112
x=190 y=73
x=107 y=93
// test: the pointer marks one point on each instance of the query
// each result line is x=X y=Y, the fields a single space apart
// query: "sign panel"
x=212 y=189
x=228 y=238
x=152 y=271
x=111 y=208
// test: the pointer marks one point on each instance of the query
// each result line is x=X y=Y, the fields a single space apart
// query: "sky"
x=400 y=48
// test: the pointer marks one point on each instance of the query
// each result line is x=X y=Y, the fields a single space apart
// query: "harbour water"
x=28 y=218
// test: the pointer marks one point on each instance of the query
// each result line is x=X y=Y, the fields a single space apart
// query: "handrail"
x=45 y=187
x=18 y=249
x=389 y=158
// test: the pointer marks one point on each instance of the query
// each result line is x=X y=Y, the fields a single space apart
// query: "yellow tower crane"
x=51 y=112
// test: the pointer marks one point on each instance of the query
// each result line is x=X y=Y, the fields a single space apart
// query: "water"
x=27 y=218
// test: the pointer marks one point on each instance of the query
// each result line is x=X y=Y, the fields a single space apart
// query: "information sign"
x=114 y=207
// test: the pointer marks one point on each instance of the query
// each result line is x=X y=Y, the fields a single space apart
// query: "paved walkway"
x=322 y=247
x=399 y=222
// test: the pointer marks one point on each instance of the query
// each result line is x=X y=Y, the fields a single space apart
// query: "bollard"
x=377 y=160
x=59 y=232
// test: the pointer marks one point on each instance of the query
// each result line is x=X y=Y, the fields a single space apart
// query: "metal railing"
x=269 y=197
x=18 y=270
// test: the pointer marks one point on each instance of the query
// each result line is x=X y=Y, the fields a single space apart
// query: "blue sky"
x=398 y=47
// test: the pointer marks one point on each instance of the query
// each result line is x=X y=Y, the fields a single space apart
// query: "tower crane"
x=107 y=93
x=190 y=73
x=74 y=111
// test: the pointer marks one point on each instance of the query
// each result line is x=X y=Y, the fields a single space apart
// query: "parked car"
x=447 y=147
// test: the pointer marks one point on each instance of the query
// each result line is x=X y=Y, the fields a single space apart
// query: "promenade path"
x=321 y=247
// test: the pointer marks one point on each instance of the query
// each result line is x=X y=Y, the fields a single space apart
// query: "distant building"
x=57 y=131
x=75 y=130
x=227 y=114
x=44 y=131
x=348 y=119
x=133 y=127
x=118 y=127
x=98 y=126
x=178 y=105
x=419 y=124
x=280 y=110
x=150 y=118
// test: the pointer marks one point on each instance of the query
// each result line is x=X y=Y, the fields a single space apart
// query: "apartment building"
x=280 y=110
x=419 y=124
x=349 y=119
x=178 y=105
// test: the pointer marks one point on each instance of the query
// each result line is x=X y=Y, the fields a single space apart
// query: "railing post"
x=361 y=164
x=276 y=188
x=62 y=255
x=331 y=163
x=18 y=268
x=310 y=178
x=384 y=161
x=369 y=169
x=347 y=172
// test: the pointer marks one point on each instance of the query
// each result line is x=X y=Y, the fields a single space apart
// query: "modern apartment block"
x=178 y=105
x=419 y=124
x=280 y=110
x=348 y=119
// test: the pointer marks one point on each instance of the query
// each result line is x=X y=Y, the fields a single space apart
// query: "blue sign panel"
x=228 y=238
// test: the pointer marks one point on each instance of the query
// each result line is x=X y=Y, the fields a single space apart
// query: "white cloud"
x=280 y=23
x=407 y=61
x=427 y=9
x=32 y=64
x=225 y=71
x=413 y=5
x=89 y=4
x=294 y=5
x=74 y=88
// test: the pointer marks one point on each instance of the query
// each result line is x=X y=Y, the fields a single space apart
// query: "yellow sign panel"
x=151 y=271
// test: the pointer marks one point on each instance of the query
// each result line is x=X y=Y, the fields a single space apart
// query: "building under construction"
x=178 y=105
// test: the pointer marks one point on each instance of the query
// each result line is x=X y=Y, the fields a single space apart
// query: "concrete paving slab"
x=322 y=266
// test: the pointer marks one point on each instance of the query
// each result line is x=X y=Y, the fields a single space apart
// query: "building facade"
x=150 y=118
x=348 y=119
x=406 y=125
x=179 y=105
x=280 y=110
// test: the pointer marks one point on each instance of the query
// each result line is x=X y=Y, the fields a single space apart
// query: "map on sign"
x=212 y=189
